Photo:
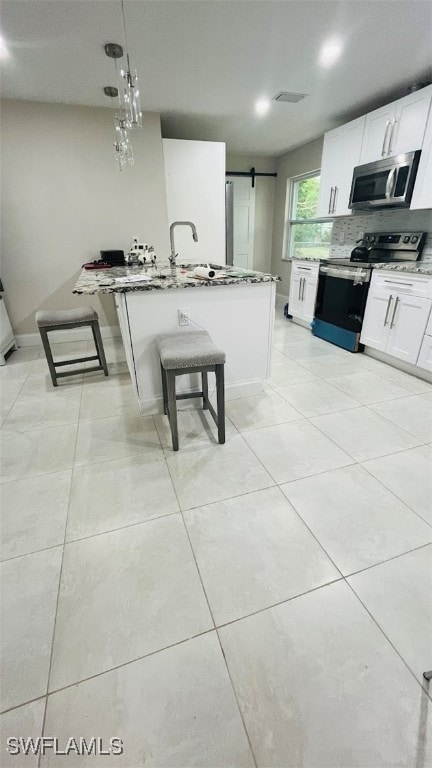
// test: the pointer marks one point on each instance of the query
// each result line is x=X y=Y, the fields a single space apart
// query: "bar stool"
x=71 y=318
x=192 y=352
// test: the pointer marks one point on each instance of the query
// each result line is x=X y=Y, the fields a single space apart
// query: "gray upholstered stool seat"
x=71 y=318
x=65 y=316
x=191 y=352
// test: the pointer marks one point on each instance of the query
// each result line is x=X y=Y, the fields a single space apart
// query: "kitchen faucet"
x=173 y=255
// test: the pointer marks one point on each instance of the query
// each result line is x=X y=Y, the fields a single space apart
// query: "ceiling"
x=203 y=63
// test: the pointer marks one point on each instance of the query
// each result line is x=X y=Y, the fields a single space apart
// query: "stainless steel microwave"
x=386 y=183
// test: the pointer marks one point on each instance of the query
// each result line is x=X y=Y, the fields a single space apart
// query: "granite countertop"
x=418 y=267
x=161 y=277
x=309 y=258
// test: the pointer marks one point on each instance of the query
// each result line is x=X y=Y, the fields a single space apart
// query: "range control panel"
x=404 y=241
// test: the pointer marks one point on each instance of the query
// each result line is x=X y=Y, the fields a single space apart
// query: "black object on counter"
x=115 y=258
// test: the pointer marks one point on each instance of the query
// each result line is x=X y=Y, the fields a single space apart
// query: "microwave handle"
x=391 y=183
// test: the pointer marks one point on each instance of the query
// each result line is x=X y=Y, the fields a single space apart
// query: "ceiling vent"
x=292 y=98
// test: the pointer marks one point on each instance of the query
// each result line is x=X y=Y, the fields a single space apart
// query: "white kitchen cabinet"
x=425 y=354
x=303 y=289
x=397 y=311
x=422 y=194
x=121 y=309
x=375 y=322
x=341 y=153
x=396 y=128
x=407 y=326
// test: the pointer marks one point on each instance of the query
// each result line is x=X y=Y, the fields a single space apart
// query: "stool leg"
x=172 y=408
x=204 y=380
x=220 y=396
x=164 y=389
x=99 y=346
x=49 y=357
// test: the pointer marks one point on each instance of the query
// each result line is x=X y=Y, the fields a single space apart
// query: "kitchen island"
x=236 y=308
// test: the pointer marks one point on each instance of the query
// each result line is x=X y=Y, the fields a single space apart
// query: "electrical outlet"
x=183 y=316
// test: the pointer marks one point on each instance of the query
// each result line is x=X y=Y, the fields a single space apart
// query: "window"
x=307 y=234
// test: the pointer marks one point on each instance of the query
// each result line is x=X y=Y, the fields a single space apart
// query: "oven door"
x=341 y=296
x=386 y=183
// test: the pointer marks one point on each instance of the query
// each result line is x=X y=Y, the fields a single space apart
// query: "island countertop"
x=161 y=277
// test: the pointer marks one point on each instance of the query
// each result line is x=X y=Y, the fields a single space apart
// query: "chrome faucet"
x=173 y=255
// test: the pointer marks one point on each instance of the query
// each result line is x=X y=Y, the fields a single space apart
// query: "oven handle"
x=345 y=274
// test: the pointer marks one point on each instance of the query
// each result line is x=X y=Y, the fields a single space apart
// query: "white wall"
x=63 y=200
x=301 y=160
x=195 y=188
x=264 y=204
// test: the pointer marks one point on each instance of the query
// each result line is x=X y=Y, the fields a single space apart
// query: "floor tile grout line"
x=429 y=693
x=224 y=624
x=234 y=690
x=110 y=669
x=212 y=618
x=388 y=559
x=58 y=595
x=389 y=489
x=410 y=434
x=3 y=424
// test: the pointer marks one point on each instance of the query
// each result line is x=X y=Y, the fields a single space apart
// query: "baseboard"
x=401 y=365
x=73 y=334
x=154 y=405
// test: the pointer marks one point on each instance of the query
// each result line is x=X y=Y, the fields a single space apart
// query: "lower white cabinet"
x=303 y=289
x=425 y=354
x=397 y=311
x=121 y=309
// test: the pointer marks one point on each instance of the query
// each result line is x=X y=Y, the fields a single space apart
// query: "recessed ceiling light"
x=4 y=50
x=330 y=53
x=262 y=106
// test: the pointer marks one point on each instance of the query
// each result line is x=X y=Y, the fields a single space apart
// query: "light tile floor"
x=263 y=603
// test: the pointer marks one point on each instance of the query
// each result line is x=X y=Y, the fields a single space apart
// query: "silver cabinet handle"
x=330 y=200
x=390 y=299
x=398 y=282
x=334 y=199
x=383 y=149
x=299 y=290
x=304 y=286
x=393 y=320
x=391 y=137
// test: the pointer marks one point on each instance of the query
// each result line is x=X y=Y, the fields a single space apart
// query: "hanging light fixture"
x=130 y=95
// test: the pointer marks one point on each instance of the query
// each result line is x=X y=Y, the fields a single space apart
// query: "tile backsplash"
x=381 y=221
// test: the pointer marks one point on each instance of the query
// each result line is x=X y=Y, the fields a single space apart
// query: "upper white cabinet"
x=397 y=128
x=341 y=153
x=422 y=194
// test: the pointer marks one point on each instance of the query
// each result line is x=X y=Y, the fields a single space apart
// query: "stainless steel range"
x=343 y=284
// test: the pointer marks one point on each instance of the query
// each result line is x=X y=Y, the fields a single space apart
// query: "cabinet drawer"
x=305 y=268
x=407 y=283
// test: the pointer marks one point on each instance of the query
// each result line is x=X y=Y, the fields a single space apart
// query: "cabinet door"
x=422 y=194
x=407 y=326
x=376 y=323
x=295 y=302
x=425 y=354
x=309 y=292
x=408 y=131
x=377 y=134
x=331 y=157
x=349 y=157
